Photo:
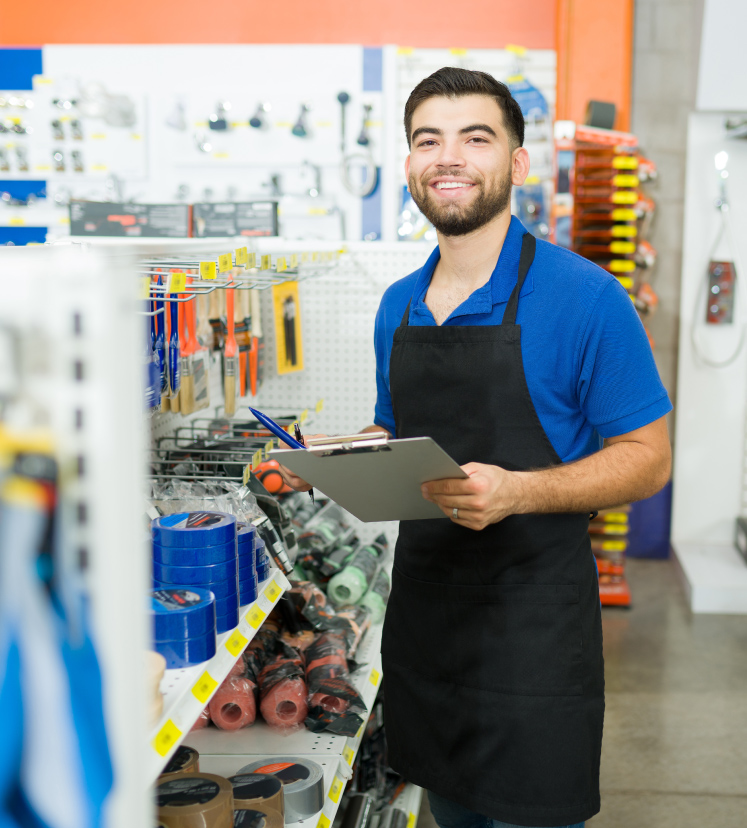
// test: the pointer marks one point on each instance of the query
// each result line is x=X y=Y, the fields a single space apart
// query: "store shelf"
x=187 y=691
x=409 y=801
x=224 y=753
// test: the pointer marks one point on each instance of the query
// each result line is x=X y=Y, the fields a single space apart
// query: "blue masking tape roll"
x=194 y=555
x=248 y=591
x=187 y=652
x=194 y=529
x=226 y=622
x=182 y=612
x=221 y=590
x=198 y=575
x=248 y=574
x=246 y=532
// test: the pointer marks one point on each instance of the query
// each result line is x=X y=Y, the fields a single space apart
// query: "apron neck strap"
x=405 y=319
x=528 y=245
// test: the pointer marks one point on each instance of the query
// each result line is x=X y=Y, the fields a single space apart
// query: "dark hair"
x=451 y=82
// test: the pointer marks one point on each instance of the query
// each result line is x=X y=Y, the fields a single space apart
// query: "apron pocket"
x=522 y=639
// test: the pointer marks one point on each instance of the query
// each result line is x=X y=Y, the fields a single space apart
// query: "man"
x=529 y=366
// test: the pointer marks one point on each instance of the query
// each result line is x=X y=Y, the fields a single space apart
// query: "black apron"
x=492 y=647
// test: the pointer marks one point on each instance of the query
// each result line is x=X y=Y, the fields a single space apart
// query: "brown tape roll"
x=258 y=791
x=257 y=818
x=194 y=800
x=185 y=760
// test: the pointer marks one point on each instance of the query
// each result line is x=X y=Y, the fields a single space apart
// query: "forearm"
x=374 y=428
x=619 y=473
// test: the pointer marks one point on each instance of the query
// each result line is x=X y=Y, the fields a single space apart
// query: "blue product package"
x=182 y=612
x=228 y=604
x=187 y=652
x=194 y=555
x=194 y=529
x=247 y=572
x=248 y=592
x=228 y=621
x=198 y=575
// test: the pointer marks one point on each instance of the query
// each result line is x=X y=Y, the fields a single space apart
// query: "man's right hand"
x=293 y=480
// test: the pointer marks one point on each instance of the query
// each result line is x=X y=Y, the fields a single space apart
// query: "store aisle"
x=674 y=749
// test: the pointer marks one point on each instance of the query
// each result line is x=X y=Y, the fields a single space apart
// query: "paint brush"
x=230 y=357
x=187 y=393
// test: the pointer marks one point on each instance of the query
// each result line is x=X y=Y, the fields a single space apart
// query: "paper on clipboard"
x=371 y=476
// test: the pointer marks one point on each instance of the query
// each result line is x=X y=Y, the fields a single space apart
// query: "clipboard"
x=371 y=476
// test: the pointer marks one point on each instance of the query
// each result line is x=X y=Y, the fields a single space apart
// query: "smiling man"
x=529 y=366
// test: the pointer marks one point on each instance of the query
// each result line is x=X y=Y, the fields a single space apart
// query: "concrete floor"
x=675 y=736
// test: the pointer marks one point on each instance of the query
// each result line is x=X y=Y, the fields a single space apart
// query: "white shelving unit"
x=225 y=753
x=409 y=801
x=188 y=691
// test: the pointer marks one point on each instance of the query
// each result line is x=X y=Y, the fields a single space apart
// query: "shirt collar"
x=498 y=288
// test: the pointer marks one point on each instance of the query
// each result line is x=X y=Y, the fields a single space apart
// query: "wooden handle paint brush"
x=243 y=337
x=230 y=357
x=200 y=352
x=175 y=373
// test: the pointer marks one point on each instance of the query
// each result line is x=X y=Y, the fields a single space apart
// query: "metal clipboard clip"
x=352 y=444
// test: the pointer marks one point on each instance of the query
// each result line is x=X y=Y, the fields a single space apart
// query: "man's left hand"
x=488 y=495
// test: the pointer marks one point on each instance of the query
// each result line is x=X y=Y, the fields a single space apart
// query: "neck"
x=471 y=259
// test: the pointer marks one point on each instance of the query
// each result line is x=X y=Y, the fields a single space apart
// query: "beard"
x=452 y=219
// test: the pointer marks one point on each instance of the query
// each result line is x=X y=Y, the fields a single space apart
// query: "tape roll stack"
x=185 y=760
x=258 y=791
x=183 y=625
x=194 y=800
x=247 y=536
x=303 y=784
x=200 y=549
x=263 y=561
x=249 y=818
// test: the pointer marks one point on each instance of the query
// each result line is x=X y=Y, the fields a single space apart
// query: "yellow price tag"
x=626 y=282
x=359 y=734
x=204 y=687
x=335 y=790
x=623 y=247
x=348 y=755
x=614 y=546
x=273 y=592
x=281 y=265
x=625 y=162
x=304 y=416
x=242 y=256
x=236 y=643
x=375 y=676
x=304 y=257
x=15 y=221
x=247 y=474
x=323 y=822
x=458 y=52
x=411 y=820
x=251 y=260
x=267 y=449
x=622 y=266
x=177 y=282
x=616 y=517
x=624 y=231
x=208 y=270
x=405 y=50
x=166 y=738
x=294 y=261
x=255 y=617
x=225 y=262
x=615 y=529
x=266 y=263
x=257 y=459
x=625 y=181
x=319 y=405
x=623 y=214
x=624 y=197
x=145 y=287
x=315 y=256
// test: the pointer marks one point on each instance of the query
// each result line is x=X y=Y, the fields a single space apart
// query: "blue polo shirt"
x=587 y=359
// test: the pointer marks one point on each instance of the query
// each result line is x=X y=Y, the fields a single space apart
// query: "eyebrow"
x=465 y=131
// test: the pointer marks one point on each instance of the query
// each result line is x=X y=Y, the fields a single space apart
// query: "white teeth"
x=450 y=185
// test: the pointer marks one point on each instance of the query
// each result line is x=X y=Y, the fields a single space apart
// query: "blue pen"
x=277 y=430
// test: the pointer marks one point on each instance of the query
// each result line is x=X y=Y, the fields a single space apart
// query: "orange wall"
x=595 y=54
x=438 y=23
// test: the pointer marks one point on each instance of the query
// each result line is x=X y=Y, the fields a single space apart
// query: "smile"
x=452 y=185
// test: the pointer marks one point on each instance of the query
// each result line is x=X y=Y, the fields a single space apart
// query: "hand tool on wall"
x=300 y=128
x=243 y=337
x=200 y=353
x=256 y=354
x=230 y=357
x=187 y=394
x=258 y=120
x=175 y=373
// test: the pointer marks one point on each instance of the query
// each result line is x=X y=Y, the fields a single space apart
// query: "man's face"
x=461 y=168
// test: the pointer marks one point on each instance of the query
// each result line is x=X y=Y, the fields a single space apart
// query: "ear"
x=519 y=166
x=407 y=167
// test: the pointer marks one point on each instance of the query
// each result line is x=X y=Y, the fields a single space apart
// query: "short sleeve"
x=619 y=388
x=383 y=413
